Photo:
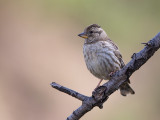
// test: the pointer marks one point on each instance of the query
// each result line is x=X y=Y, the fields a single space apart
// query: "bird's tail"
x=126 y=89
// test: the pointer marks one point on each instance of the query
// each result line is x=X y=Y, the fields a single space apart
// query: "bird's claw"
x=111 y=74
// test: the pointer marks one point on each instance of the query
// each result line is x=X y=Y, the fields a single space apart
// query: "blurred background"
x=39 y=45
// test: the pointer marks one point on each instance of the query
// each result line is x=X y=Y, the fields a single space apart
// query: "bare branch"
x=68 y=91
x=101 y=94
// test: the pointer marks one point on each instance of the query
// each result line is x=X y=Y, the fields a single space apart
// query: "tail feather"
x=126 y=89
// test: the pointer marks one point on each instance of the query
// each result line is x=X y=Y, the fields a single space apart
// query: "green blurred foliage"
x=125 y=20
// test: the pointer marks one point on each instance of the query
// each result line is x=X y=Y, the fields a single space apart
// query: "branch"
x=102 y=93
x=68 y=91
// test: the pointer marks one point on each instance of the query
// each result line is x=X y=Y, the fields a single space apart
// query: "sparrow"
x=102 y=56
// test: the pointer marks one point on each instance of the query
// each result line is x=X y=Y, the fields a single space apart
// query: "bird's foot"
x=111 y=74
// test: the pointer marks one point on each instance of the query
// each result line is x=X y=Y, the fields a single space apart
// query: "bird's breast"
x=99 y=60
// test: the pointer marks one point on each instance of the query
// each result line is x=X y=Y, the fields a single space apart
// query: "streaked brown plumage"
x=102 y=56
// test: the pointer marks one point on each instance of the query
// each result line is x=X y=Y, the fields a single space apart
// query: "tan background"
x=39 y=45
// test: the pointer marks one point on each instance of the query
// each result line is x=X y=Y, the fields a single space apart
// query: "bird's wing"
x=119 y=56
x=117 y=52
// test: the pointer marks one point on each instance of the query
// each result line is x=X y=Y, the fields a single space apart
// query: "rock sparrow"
x=102 y=56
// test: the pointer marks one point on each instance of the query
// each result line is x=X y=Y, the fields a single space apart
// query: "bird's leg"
x=99 y=83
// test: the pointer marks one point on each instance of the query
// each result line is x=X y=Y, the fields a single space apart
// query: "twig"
x=101 y=94
x=68 y=91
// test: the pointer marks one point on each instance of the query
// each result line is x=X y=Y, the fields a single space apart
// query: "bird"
x=102 y=56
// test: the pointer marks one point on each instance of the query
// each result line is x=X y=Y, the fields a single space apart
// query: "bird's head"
x=93 y=33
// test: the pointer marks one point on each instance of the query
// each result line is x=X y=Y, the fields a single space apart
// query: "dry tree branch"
x=102 y=93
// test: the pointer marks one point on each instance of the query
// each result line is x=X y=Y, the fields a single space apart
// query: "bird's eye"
x=91 y=32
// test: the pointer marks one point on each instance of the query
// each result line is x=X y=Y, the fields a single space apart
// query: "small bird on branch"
x=102 y=56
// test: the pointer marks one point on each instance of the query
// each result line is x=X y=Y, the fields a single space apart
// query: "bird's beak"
x=83 y=35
